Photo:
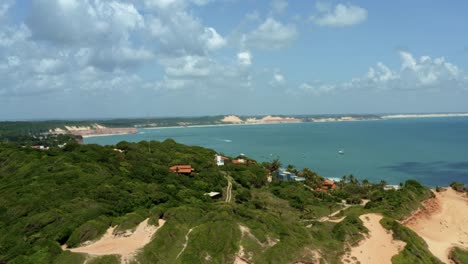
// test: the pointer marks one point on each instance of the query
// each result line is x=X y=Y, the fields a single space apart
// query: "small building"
x=182 y=169
x=242 y=161
x=239 y=161
x=40 y=147
x=391 y=187
x=285 y=175
x=213 y=194
x=220 y=160
x=328 y=184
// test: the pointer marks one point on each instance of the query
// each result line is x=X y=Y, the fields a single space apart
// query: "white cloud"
x=179 y=33
x=73 y=22
x=278 y=79
x=279 y=6
x=49 y=66
x=213 y=39
x=202 y=73
x=188 y=67
x=271 y=34
x=244 y=58
x=316 y=89
x=425 y=73
x=341 y=16
x=4 y=7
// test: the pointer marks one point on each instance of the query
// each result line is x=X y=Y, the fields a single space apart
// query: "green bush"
x=415 y=251
x=459 y=256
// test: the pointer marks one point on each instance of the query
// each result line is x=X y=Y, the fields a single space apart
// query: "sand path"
x=229 y=191
x=443 y=223
x=377 y=247
x=125 y=246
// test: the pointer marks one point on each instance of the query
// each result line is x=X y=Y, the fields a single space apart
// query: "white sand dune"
x=125 y=246
x=378 y=247
x=443 y=223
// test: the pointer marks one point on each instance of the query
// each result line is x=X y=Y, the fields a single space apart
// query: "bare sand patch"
x=442 y=223
x=379 y=245
x=231 y=119
x=124 y=245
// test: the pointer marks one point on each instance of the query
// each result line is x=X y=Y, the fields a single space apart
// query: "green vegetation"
x=459 y=187
x=415 y=251
x=111 y=259
x=74 y=194
x=399 y=203
x=459 y=256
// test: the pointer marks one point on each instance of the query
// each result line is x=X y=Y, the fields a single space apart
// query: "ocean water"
x=431 y=150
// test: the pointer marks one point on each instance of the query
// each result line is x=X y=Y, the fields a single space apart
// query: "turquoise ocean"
x=431 y=150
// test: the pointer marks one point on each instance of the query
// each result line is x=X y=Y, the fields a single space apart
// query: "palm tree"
x=365 y=182
x=352 y=180
x=275 y=165
x=343 y=181
x=383 y=183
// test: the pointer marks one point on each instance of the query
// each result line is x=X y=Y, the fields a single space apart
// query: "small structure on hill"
x=213 y=194
x=41 y=147
x=285 y=175
x=243 y=161
x=182 y=169
x=220 y=160
x=327 y=185
x=391 y=187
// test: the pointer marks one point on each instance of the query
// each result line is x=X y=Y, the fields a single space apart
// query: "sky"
x=81 y=59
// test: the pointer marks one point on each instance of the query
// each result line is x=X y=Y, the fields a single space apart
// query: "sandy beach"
x=379 y=245
x=124 y=245
x=442 y=223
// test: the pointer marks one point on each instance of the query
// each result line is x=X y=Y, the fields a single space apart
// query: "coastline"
x=325 y=120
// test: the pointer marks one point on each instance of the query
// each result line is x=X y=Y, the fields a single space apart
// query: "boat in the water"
x=341 y=152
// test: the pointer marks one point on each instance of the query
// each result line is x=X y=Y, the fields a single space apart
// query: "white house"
x=219 y=160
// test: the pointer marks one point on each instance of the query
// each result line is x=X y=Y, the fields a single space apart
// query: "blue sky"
x=129 y=58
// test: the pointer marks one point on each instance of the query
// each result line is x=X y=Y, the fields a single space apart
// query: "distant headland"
x=104 y=127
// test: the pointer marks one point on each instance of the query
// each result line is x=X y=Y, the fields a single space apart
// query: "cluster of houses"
x=220 y=161
x=282 y=174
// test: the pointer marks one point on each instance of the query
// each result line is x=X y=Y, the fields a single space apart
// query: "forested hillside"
x=72 y=195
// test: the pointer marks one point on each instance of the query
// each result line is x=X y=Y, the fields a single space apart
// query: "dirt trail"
x=186 y=242
x=379 y=245
x=229 y=191
x=442 y=223
x=327 y=218
x=124 y=245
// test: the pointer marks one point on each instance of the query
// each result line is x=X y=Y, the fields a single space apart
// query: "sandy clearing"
x=125 y=246
x=231 y=119
x=443 y=223
x=378 y=247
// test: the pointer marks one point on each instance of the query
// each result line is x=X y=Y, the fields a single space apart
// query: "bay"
x=433 y=151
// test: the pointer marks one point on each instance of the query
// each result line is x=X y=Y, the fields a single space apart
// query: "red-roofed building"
x=182 y=169
x=328 y=184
